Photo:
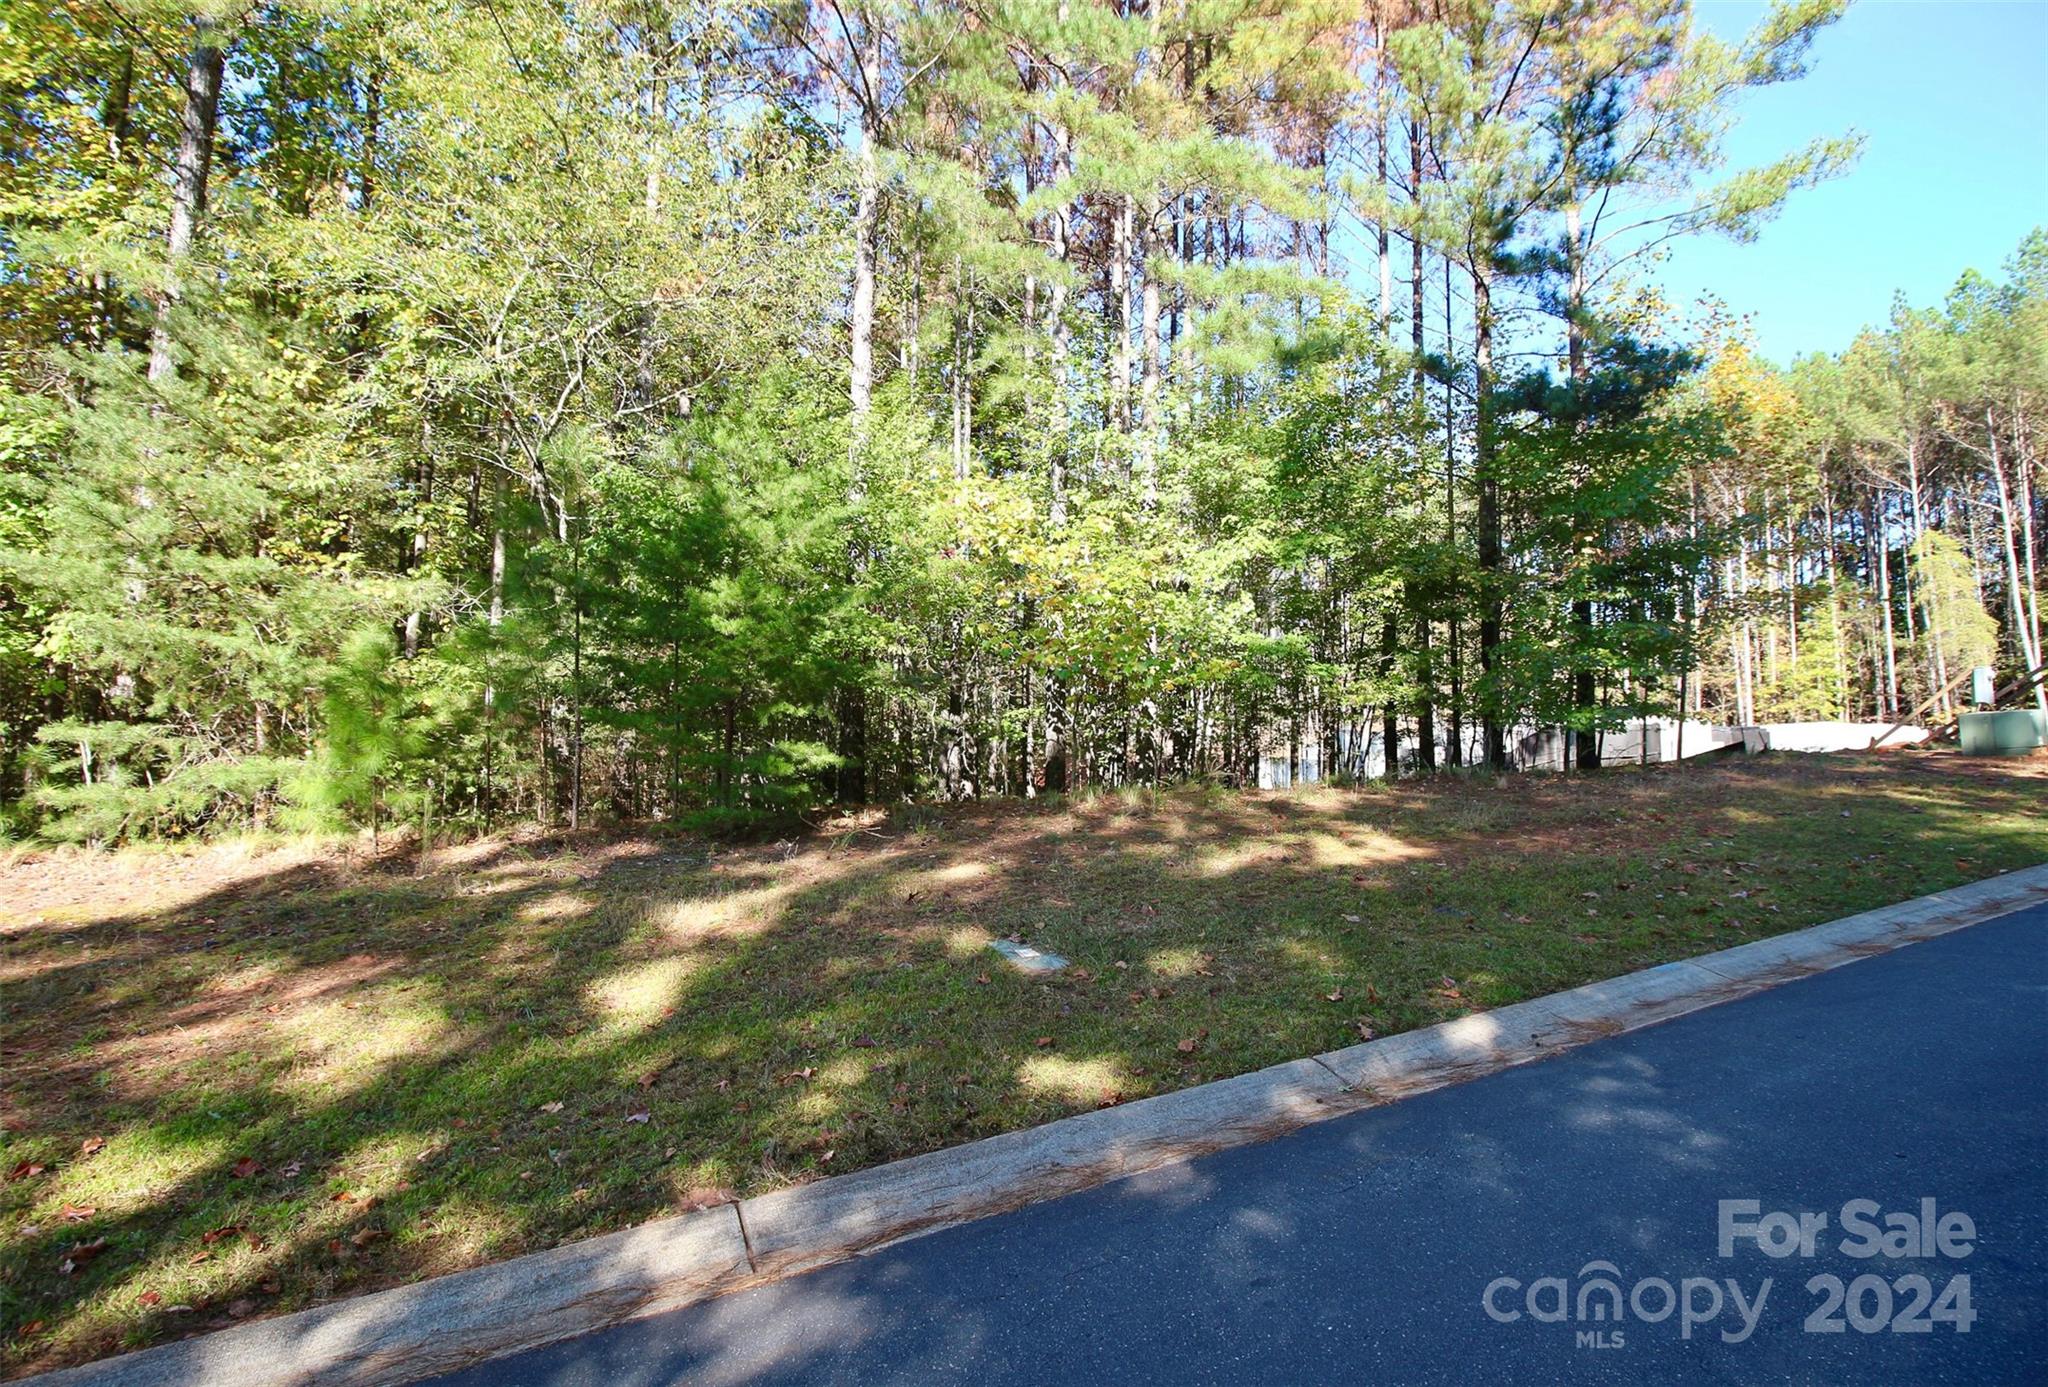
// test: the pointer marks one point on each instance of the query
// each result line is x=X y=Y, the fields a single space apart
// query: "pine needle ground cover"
x=245 y=1078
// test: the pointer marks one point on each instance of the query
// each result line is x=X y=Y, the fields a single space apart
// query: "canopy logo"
x=1598 y=1303
x=1598 y=1299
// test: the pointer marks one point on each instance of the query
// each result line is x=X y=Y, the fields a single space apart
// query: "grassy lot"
x=246 y=1078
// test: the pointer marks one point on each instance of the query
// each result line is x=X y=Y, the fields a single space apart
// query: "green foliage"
x=1593 y=466
x=727 y=623
x=485 y=443
x=1959 y=632
x=371 y=739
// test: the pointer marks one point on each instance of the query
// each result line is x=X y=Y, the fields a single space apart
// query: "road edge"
x=454 y=1321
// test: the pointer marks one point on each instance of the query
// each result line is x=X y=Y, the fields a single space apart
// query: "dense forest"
x=476 y=409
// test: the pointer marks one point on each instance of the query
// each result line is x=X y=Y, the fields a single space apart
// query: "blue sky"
x=1952 y=97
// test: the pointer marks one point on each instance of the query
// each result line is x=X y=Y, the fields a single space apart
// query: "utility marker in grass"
x=1026 y=959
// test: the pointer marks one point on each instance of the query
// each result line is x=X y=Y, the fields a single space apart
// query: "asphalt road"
x=1362 y=1249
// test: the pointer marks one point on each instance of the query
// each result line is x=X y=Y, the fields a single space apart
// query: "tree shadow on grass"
x=529 y=1044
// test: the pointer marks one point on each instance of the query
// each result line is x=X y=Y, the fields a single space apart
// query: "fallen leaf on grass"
x=80 y=1254
x=363 y=1237
x=1365 y=1032
x=341 y=1197
x=27 y=1170
x=92 y=1146
x=149 y=1298
x=1043 y=1042
x=29 y=1330
x=76 y=1213
x=221 y=1234
x=1336 y=996
x=246 y=1167
x=551 y=1107
x=196 y=1258
x=291 y=1170
x=1186 y=1046
x=642 y=1117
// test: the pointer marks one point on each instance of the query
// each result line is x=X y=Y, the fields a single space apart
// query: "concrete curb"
x=450 y=1322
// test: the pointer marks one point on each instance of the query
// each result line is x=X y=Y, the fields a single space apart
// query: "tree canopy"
x=467 y=410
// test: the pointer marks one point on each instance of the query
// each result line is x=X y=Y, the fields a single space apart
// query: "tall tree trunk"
x=416 y=557
x=1880 y=556
x=1829 y=575
x=2024 y=488
x=1120 y=316
x=866 y=223
x=644 y=383
x=853 y=711
x=115 y=118
x=1425 y=710
x=1739 y=636
x=1390 y=720
x=1057 y=327
x=1385 y=244
x=1059 y=735
x=193 y=164
x=1586 y=738
x=2016 y=589
x=497 y=620
x=1490 y=603
x=117 y=107
x=1789 y=585
x=1937 y=656
x=576 y=686
x=1454 y=742
x=1148 y=344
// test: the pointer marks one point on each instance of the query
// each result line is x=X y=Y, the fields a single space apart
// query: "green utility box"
x=2003 y=734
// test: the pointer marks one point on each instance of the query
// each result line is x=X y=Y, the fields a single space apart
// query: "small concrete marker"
x=1026 y=959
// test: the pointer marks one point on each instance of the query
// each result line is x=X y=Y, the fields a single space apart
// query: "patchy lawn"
x=242 y=1079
